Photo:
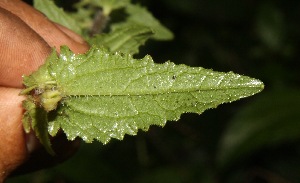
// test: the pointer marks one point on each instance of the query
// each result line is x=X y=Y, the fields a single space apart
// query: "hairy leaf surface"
x=100 y=95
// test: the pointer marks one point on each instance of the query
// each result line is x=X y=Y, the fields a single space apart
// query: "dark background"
x=255 y=140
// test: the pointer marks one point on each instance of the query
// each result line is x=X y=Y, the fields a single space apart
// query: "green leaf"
x=108 y=95
x=56 y=14
x=127 y=38
x=140 y=15
x=93 y=15
x=36 y=118
x=269 y=121
x=107 y=5
x=110 y=5
x=84 y=20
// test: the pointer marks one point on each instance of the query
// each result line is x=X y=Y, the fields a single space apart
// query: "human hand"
x=26 y=38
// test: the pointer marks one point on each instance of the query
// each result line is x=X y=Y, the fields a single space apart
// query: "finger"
x=13 y=150
x=51 y=33
x=26 y=35
x=71 y=34
x=22 y=153
x=26 y=51
x=21 y=50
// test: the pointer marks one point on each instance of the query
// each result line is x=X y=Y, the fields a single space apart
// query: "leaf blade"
x=36 y=118
x=107 y=95
x=127 y=38
x=141 y=16
x=57 y=14
x=118 y=74
x=114 y=88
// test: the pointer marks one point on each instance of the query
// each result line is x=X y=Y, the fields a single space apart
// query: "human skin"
x=26 y=39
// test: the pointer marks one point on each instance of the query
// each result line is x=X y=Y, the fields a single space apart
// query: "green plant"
x=106 y=93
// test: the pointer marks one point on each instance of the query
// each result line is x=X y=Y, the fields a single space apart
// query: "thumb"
x=22 y=50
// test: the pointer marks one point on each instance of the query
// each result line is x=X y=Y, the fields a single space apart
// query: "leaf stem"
x=99 y=23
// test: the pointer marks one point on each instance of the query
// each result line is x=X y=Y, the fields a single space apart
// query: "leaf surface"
x=140 y=15
x=110 y=5
x=56 y=14
x=126 y=38
x=38 y=123
x=107 y=95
